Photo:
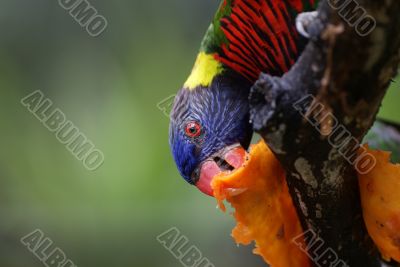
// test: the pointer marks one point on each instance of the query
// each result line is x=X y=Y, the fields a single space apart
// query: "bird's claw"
x=303 y=22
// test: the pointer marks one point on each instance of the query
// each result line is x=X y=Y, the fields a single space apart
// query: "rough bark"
x=349 y=74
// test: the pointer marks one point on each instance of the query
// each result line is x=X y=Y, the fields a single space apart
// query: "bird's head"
x=210 y=129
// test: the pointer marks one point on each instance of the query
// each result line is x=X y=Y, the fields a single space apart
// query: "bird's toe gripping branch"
x=263 y=99
x=271 y=96
x=303 y=22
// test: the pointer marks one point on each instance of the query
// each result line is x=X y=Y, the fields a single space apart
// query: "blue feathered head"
x=208 y=123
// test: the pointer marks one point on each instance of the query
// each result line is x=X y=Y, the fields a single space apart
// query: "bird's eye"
x=193 y=129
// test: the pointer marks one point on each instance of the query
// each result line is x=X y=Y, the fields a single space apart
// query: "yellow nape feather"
x=204 y=71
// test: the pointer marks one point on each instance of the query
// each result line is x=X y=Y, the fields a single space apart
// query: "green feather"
x=214 y=37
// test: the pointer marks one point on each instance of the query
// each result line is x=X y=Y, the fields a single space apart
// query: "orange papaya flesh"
x=265 y=213
x=263 y=208
x=380 y=200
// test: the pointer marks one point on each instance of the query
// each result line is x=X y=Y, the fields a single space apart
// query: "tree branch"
x=346 y=76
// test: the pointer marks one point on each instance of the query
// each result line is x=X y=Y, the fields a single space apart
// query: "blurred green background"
x=109 y=87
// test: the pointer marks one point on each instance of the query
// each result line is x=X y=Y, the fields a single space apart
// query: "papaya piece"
x=380 y=200
x=263 y=208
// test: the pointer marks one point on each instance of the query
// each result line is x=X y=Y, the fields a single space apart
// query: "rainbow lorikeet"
x=210 y=127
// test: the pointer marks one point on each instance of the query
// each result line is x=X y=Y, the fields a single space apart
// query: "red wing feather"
x=261 y=36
